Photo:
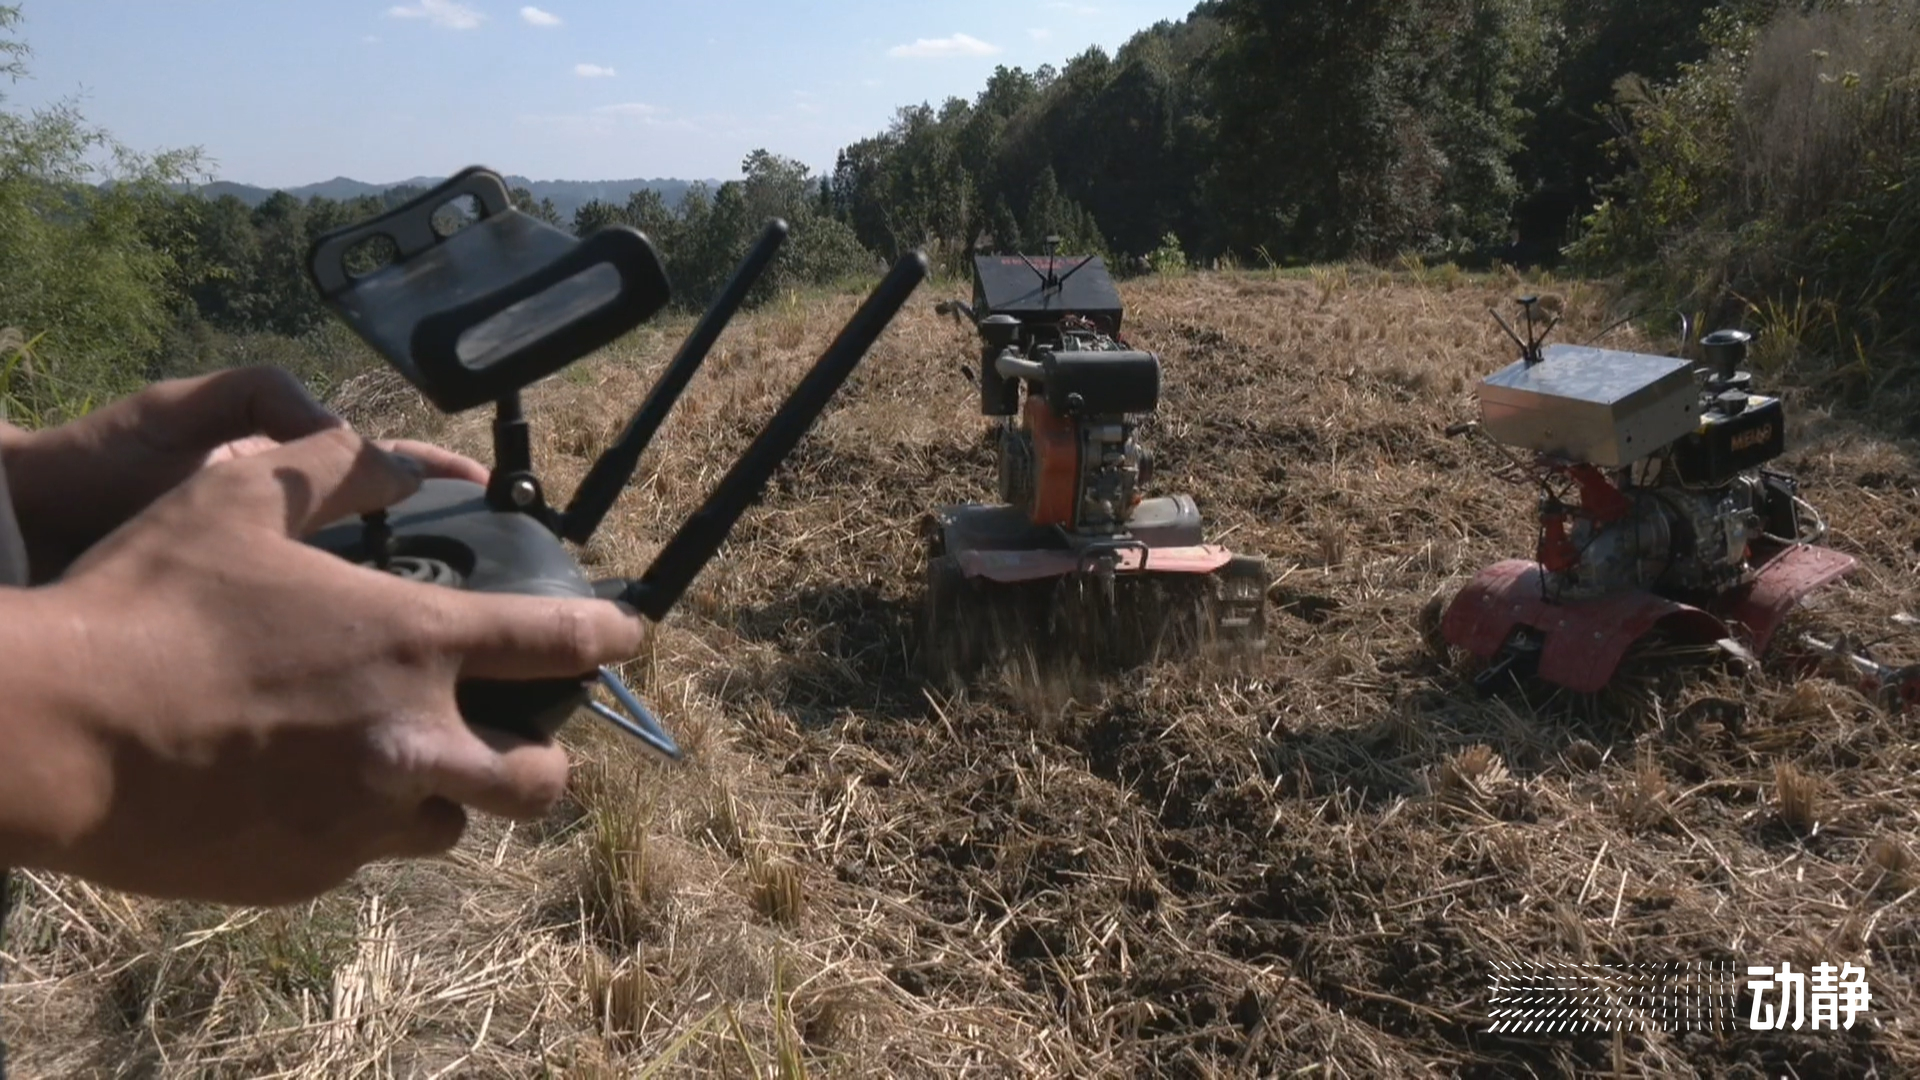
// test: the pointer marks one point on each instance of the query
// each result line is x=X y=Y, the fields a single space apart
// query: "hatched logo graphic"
x=1702 y=996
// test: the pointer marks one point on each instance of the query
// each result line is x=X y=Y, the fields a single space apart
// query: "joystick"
x=479 y=314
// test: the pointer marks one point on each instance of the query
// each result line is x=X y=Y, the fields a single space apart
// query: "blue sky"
x=281 y=93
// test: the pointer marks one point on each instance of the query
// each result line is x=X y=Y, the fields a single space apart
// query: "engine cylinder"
x=1675 y=541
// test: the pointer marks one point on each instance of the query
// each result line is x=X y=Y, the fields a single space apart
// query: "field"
x=1307 y=869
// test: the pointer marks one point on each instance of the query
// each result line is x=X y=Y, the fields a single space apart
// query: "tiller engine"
x=1657 y=512
x=1073 y=558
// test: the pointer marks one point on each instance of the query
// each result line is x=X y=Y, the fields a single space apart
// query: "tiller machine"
x=1658 y=513
x=1074 y=560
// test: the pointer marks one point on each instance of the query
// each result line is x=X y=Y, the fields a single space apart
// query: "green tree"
x=538 y=209
x=1582 y=49
x=595 y=214
x=90 y=253
x=1366 y=127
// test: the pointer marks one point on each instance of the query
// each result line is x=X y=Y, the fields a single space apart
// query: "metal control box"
x=1599 y=406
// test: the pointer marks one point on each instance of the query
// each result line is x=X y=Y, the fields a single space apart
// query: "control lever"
x=1896 y=689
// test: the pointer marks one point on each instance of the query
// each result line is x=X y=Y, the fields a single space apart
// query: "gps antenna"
x=609 y=475
x=1076 y=269
x=701 y=535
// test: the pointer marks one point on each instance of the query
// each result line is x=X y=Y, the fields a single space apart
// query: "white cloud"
x=631 y=108
x=533 y=16
x=440 y=13
x=371 y=39
x=593 y=71
x=957 y=45
x=1040 y=33
x=1077 y=9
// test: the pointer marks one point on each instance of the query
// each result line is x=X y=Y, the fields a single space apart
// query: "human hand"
x=75 y=483
x=438 y=462
x=261 y=718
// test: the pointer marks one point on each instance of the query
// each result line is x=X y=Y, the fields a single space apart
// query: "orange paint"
x=1056 y=462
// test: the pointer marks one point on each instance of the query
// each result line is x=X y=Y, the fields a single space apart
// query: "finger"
x=496 y=773
x=312 y=482
x=239 y=448
x=533 y=637
x=441 y=463
x=198 y=414
x=437 y=825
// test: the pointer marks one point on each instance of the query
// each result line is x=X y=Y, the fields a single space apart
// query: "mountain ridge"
x=568 y=196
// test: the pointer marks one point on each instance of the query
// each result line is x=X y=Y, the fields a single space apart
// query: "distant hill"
x=567 y=195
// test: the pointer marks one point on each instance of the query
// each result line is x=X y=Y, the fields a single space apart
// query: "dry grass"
x=1306 y=869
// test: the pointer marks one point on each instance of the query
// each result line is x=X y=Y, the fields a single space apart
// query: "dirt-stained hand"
x=265 y=717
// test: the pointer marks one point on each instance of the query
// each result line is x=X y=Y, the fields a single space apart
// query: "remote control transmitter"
x=477 y=315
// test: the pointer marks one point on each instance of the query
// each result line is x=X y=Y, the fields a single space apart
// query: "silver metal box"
x=1598 y=406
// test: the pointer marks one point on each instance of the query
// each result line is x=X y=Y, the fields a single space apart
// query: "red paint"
x=1012 y=567
x=1585 y=640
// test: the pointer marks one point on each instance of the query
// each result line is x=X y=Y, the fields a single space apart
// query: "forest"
x=1740 y=159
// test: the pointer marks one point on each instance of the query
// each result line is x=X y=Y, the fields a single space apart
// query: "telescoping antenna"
x=703 y=533
x=610 y=474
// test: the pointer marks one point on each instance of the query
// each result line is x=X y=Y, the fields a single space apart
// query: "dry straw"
x=1308 y=868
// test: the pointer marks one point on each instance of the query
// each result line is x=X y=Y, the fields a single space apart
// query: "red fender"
x=1012 y=567
x=1757 y=609
x=1584 y=641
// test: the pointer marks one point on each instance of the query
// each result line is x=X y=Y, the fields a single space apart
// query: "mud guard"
x=1583 y=643
x=1757 y=609
x=1012 y=567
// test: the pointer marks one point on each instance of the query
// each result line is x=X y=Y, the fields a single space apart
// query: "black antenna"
x=1610 y=328
x=1076 y=269
x=701 y=535
x=1530 y=347
x=1044 y=279
x=609 y=475
x=1510 y=333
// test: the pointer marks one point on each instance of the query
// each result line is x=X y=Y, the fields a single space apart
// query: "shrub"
x=1781 y=176
x=1169 y=257
x=86 y=273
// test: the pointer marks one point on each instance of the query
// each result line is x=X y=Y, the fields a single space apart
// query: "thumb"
x=312 y=482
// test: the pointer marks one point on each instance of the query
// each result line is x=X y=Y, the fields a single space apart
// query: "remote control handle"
x=610 y=474
x=683 y=557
